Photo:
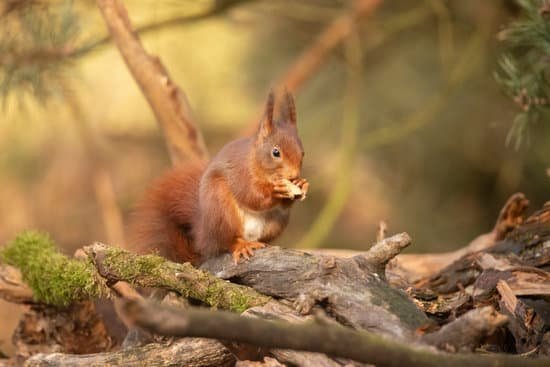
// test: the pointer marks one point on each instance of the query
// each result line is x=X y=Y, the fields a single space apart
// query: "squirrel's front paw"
x=295 y=189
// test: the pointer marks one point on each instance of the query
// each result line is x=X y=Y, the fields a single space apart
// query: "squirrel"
x=236 y=203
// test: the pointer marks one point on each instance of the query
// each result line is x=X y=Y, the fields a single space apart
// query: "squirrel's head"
x=279 y=150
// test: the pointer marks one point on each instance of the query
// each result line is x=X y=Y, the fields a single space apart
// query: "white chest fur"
x=255 y=224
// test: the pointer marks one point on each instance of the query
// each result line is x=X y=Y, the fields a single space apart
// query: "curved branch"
x=341 y=188
x=167 y=100
x=315 y=56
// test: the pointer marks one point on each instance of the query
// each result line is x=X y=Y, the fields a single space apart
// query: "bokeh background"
x=426 y=151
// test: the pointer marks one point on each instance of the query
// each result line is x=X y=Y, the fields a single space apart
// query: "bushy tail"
x=163 y=220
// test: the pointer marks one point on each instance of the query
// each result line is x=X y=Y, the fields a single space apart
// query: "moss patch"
x=54 y=278
x=129 y=266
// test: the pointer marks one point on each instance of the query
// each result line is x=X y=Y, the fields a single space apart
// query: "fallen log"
x=189 y=352
x=353 y=290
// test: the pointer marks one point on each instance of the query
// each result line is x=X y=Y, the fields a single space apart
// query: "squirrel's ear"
x=266 y=125
x=288 y=109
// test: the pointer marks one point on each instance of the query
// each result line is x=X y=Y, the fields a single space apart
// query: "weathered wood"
x=466 y=332
x=527 y=245
x=516 y=267
x=529 y=319
x=189 y=352
x=349 y=289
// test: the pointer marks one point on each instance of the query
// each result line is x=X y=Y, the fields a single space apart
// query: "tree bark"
x=352 y=290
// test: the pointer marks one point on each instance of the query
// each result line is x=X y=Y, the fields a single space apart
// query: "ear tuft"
x=266 y=125
x=269 y=106
x=288 y=109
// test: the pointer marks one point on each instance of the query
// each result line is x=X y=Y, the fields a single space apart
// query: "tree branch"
x=313 y=57
x=334 y=339
x=167 y=100
x=58 y=280
x=316 y=55
x=151 y=271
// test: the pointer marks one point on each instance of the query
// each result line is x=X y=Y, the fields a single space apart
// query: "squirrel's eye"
x=275 y=152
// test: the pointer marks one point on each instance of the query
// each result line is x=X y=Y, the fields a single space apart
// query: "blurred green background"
x=428 y=154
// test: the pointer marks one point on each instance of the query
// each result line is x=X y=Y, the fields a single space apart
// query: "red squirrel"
x=236 y=203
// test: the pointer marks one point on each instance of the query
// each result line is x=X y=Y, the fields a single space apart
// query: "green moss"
x=129 y=266
x=235 y=298
x=240 y=302
x=54 y=278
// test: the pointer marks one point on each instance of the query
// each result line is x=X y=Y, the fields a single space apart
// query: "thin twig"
x=221 y=7
x=101 y=178
x=381 y=231
x=461 y=71
x=445 y=32
x=316 y=55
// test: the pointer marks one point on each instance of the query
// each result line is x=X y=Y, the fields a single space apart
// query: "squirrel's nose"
x=293 y=175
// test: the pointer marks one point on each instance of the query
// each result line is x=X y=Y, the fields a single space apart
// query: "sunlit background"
x=79 y=143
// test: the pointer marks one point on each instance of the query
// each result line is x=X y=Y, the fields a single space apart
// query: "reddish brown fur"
x=196 y=212
x=167 y=211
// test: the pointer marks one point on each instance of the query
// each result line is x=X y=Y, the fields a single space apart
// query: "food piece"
x=294 y=190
